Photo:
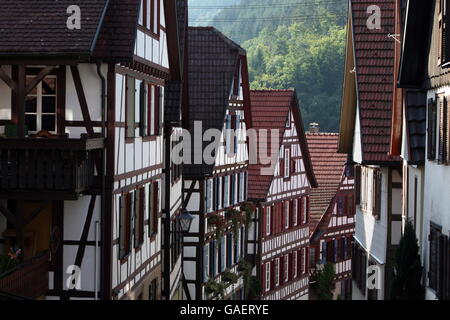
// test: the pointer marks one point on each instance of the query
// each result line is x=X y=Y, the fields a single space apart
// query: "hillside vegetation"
x=303 y=50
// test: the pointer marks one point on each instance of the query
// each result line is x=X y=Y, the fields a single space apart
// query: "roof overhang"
x=415 y=44
x=349 y=95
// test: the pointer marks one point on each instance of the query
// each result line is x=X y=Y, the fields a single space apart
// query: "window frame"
x=40 y=95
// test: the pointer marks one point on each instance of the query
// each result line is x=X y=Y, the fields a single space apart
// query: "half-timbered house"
x=332 y=213
x=281 y=193
x=172 y=194
x=82 y=148
x=424 y=143
x=365 y=132
x=215 y=187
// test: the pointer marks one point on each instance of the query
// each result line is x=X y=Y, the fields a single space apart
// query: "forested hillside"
x=291 y=44
x=203 y=11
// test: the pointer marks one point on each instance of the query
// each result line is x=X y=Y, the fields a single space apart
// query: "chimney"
x=314 y=127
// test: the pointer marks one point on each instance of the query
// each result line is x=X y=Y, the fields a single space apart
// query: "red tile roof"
x=328 y=167
x=374 y=57
x=270 y=109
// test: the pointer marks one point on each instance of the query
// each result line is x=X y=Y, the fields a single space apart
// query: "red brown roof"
x=374 y=58
x=328 y=167
x=270 y=109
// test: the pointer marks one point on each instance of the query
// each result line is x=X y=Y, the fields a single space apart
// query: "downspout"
x=103 y=173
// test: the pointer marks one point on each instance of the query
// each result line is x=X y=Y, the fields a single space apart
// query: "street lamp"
x=185 y=220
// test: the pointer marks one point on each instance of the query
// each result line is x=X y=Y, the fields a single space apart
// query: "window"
x=212 y=259
x=208 y=193
x=229 y=250
x=236 y=248
x=40 y=105
x=226 y=190
x=444 y=36
x=139 y=200
x=152 y=290
x=363 y=188
x=286 y=214
x=206 y=271
x=286 y=268
x=294 y=265
x=359 y=267
x=287 y=162
x=443 y=156
x=219 y=192
x=358 y=184
x=277 y=272
x=222 y=252
x=267 y=277
x=432 y=129
x=305 y=210
x=130 y=107
x=294 y=212
x=153 y=207
x=242 y=186
x=268 y=221
x=228 y=134
x=236 y=79
x=126 y=209
x=439 y=261
x=237 y=129
x=376 y=202
x=150 y=15
x=303 y=261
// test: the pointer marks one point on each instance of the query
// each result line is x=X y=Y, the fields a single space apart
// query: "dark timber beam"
x=40 y=76
x=20 y=101
x=7 y=80
x=82 y=99
x=85 y=233
x=189 y=195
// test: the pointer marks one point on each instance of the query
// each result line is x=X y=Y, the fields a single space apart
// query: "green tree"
x=406 y=282
x=325 y=282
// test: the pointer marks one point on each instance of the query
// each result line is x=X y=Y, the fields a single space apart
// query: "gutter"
x=99 y=27
x=103 y=218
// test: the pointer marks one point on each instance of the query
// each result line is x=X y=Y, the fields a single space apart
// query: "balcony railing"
x=57 y=166
x=27 y=280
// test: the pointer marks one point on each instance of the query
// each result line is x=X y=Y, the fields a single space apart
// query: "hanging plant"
x=248 y=208
x=245 y=270
x=214 y=288
x=237 y=219
x=230 y=277
x=219 y=224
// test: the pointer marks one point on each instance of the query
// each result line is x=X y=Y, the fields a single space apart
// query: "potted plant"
x=219 y=224
x=230 y=277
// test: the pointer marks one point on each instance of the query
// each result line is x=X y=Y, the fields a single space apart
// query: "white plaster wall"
x=92 y=89
x=5 y=97
x=372 y=233
x=413 y=173
x=357 y=148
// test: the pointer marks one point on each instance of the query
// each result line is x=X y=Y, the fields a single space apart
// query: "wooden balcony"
x=55 y=169
x=27 y=280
